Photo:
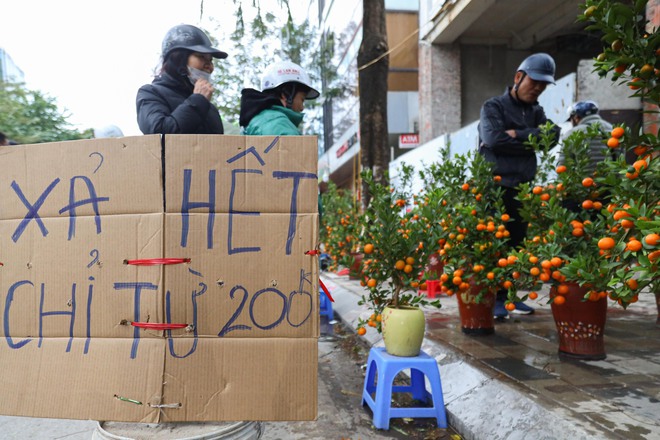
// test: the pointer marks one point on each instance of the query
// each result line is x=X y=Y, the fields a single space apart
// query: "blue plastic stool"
x=325 y=306
x=387 y=367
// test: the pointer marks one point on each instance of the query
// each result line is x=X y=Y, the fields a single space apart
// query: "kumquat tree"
x=396 y=242
x=472 y=236
x=631 y=55
x=338 y=225
x=565 y=218
x=631 y=246
x=601 y=229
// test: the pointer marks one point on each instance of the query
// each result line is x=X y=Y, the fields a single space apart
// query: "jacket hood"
x=252 y=103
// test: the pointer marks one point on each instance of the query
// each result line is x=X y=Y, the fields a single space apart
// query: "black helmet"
x=539 y=67
x=185 y=36
x=582 y=109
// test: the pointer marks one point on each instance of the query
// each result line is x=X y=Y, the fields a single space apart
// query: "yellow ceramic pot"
x=403 y=330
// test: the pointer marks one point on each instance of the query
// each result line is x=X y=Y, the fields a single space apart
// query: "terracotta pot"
x=476 y=317
x=403 y=330
x=580 y=324
x=355 y=271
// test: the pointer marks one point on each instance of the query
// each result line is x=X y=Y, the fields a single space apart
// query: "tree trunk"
x=374 y=151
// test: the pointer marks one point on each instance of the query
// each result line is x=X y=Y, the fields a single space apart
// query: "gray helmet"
x=185 y=36
x=539 y=67
x=582 y=109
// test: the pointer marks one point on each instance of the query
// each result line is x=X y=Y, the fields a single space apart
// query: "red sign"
x=343 y=149
x=410 y=140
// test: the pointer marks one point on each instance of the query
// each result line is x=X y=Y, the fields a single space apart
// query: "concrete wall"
x=608 y=94
x=486 y=72
x=439 y=92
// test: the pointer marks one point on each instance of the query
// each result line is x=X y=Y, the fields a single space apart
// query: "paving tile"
x=627 y=399
x=604 y=368
x=517 y=369
x=534 y=359
x=544 y=333
x=498 y=340
x=628 y=426
x=569 y=396
x=641 y=351
x=532 y=342
x=638 y=380
x=479 y=350
x=573 y=373
x=639 y=365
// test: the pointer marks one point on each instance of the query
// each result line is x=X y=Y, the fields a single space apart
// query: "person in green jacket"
x=276 y=110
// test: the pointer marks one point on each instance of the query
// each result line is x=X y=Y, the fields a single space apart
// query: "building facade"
x=340 y=22
x=464 y=52
x=470 y=51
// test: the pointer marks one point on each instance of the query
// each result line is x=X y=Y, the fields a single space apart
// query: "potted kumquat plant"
x=396 y=243
x=630 y=248
x=603 y=228
x=592 y=236
x=630 y=54
x=595 y=236
x=472 y=236
x=566 y=218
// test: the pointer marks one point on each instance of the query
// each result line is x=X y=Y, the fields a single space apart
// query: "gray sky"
x=93 y=55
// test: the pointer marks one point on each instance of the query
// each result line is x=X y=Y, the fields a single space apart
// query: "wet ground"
x=514 y=384
x=342 y=358
x=620 y=393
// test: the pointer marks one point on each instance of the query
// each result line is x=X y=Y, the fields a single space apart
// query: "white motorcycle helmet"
x=287 y=72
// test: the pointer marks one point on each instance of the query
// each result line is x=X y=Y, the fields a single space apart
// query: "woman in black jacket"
x=179 y=98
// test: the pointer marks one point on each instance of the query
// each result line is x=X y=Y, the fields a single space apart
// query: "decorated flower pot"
x=403 y=330
x=476 y=316
x=355 y=271
x=435 y=266
x=580 y=324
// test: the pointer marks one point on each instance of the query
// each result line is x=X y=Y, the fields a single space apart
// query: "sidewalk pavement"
x=512 y=385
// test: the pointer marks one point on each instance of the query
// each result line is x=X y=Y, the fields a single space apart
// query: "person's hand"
x=204 y=88
x=511 y=133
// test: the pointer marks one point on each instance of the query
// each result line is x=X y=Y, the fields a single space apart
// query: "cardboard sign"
x=220 y=225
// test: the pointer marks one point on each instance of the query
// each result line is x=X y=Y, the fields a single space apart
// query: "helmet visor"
x=541 y=76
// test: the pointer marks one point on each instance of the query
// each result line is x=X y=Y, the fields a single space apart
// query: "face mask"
x=195 y=74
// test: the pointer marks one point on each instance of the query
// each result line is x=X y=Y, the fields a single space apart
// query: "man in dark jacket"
x=179 y=99
x=505 y=124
